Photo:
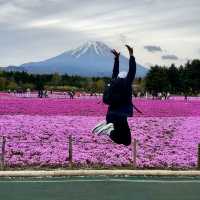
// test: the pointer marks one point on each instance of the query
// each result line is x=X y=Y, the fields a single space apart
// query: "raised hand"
x=116 y=53
x=130 y=49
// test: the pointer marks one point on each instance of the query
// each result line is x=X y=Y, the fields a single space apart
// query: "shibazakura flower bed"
x=163 y=142
x=94 y=107
x=37 y=130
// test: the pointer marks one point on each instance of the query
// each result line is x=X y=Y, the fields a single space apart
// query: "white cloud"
x=169 y=57
x=59 y=24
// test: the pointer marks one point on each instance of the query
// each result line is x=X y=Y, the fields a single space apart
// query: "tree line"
x=184 y=79
x=22 y=81
x=176 y=80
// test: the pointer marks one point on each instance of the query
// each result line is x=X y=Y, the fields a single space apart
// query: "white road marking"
x=103 y=180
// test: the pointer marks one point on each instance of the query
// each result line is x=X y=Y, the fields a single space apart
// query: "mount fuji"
x=91 y=59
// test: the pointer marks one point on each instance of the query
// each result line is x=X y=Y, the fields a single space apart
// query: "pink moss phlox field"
x=95 y=107
x=42 y=140
x=37 y=131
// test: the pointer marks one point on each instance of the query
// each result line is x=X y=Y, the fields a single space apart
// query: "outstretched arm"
x=115 y=68
x=132 y=66
x=116 y=64
x=132 y=69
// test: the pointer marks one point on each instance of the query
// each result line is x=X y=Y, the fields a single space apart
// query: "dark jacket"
x=125 y=85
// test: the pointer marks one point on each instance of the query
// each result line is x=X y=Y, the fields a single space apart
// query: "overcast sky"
x=162 y=31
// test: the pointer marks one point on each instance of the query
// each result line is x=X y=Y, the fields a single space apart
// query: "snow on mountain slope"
x=96 y=47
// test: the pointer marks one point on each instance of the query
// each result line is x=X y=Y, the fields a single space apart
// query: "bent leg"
x=121 y=133
x=125 y=133
x=114 y=135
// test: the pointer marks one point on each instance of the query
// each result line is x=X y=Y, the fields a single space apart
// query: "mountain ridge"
x=93 y=58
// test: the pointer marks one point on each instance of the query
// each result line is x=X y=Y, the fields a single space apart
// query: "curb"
x=57 y=173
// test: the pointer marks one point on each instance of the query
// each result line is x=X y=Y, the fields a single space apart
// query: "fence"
x=70 y=144
x=2 y=153
x=198 y=164
x=72 y=149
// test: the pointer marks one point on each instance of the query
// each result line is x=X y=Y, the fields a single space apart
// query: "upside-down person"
x=118 y=95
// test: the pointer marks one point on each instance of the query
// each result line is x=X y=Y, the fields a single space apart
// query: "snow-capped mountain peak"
x=90 y=59
x=99 y=48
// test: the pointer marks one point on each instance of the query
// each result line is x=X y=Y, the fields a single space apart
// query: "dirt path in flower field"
x=100 y=188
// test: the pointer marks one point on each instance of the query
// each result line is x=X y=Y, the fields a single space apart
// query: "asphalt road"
x=100 y=188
